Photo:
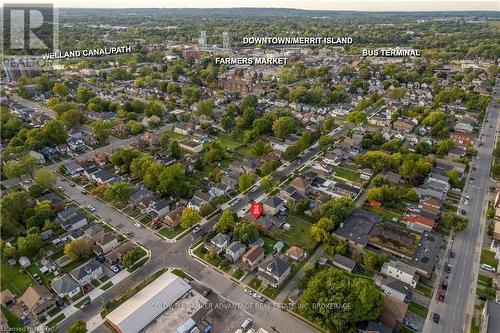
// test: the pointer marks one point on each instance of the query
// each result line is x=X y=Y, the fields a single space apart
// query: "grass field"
x=12 y=321
x=298 y=235
x=488 y=257
x=173 y=135
x=15 y=279
x=171 y=232
x=418 y=309
x=346 y=174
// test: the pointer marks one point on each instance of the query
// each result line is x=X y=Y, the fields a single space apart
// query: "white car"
x=115 y=268
x=466 y=202
x=138 y=225
x=91 y=208
x=61 y=188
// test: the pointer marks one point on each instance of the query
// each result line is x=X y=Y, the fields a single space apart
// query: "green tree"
x=78 y=326
x=54 y=132
x=80 y=248
x=45 y=178
x=320 y=230
x=226 y=221
x=337 y=209
x=13 y=206
x=261 y=148
x=131 y=257
x=453 y=221
x=60 y=89
x=373 y=260
x=246 y=232
x=174 y=149
x=325 y=142
x=118 y=192
x=29 y=245
x=189 y=218
x=17 y=169
x=101 y=129
x=283 y=127
x=246 y=180
x=355 y=299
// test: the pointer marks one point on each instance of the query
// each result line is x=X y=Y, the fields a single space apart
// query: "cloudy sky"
x=362 y=5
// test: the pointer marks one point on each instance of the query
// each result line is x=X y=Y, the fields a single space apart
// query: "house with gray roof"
x=65 y=286
x=87 y=272
x=234 y=251
x=490 y=318
x=273 y=271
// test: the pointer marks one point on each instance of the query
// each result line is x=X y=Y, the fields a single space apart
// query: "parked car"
x=488 y=267
x=196 y=229
x=436 y=318
x=452 y=254
x=72 y=184
x=246 y=324
x=84 y=192
x=115 y=268
x=91 y=208
x=207 y=292
x=448 y=268
x=130 y=234
x=60 y=188
x=138 y=225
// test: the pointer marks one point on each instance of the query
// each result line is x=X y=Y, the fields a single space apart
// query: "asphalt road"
x=457 y=310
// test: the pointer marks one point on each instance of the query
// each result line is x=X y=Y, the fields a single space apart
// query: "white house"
x=401 y=271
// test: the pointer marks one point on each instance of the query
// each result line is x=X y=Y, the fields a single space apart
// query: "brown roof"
x=33 y=294
x=393 y=312
x=120 y=251
x=300 y=183
x=295 y=252
x=254 y=253
x=106 y=238
x=6 y=296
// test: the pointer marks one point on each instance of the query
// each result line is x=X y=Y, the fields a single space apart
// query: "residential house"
x=344 y=263
x=103 y=176
x=138 y=195
x=99 y=159
x=273 y=205
x=199 y=199
x=7 y=298
x=252 y=258
x=296 y=253
x=373 y=327
x=300 y=185
x=490 y=317
x=38 y=299
x=158 y=208
x=116 y=255
x=394 y=288
x=72 y=168
x=418 y=222
x=191 y=145
x=273 y=271
x=463 y=140
x=92 y=270
x=105 y=243
x=49 y=153
x=70 y=219
x=403 y=125
x=219 y=242
x=173 y=218
x=55 y=202
x=94 y=231
x=234 y=251
x=39 y=156
x=401 y=271
x=65 y=286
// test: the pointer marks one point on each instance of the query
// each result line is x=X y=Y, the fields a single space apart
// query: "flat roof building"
x=149 y=303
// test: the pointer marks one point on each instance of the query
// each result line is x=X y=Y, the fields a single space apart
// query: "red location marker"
x=256 y=210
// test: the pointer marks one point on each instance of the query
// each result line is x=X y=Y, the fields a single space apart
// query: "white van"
x=246 y=324
x=488 y=267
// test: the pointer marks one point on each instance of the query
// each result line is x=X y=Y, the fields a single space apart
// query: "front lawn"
x=418 y=309
x=171 y=233
x=12 y=320
x=15 y=279
x=174 y=135
x=238 y=274
x=488 y=257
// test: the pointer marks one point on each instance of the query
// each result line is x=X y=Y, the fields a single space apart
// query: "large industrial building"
x=166 y=304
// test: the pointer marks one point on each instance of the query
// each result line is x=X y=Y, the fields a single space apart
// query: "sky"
x=358 y=5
